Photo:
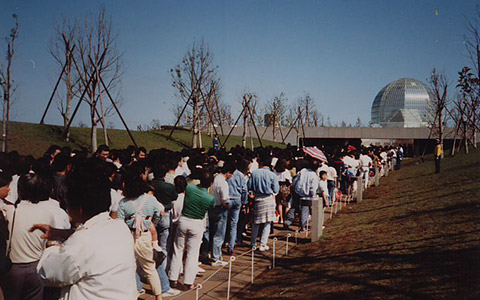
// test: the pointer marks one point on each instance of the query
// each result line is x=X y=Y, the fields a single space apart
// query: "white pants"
x=144 y=256
x=188 y=237
x=366 y=175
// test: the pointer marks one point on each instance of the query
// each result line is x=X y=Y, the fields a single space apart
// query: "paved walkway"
x=215 y=280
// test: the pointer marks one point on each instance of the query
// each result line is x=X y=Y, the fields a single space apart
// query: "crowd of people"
x=80 y=226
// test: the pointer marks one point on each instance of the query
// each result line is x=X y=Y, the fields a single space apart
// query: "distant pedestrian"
x=216 y=142
x=438 y=155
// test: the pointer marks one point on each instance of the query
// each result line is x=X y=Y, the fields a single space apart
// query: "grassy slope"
x=417 y=236
x=28 y=138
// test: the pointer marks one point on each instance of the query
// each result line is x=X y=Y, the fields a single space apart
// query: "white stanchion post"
x=253 y=258
x=317 y=219
x=274 y=253
x=359 y=188
x=232 y=259
x=199 y=287
x=286 y=248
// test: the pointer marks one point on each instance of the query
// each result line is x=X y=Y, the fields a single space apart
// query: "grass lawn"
x=416 y=236
x=34 y=139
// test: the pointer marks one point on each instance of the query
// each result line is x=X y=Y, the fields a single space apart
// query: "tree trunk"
x=195 y=123
x=94 y=134
x=200 y=144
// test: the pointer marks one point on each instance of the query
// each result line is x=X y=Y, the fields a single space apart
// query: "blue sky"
x=341 y=52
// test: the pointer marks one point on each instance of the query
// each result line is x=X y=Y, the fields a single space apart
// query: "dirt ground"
x=416 y=236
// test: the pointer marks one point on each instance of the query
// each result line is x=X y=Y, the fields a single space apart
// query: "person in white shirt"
x=25 y=248
x=218 y=215
x=366 y=162
x=95 y=261
x=13 y=195
x=323 y=188
x=331 y=181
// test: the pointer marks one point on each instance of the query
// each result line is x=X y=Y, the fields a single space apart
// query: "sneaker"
x=200 y=270
x=171 y=292
x=219 y=263
x=264 y=248
x=141 y=292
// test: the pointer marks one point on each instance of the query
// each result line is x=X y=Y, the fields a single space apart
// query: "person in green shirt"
x=190 y=228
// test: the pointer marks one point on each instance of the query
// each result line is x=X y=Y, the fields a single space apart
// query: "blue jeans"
x=218 y=226
x=163 y=279
x=163 y=230
x=205 y=247
x=302 y=210
x=265 y=233
x=331 y=189
x=233 y=214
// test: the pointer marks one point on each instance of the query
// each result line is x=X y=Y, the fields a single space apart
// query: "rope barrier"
x=345 y=198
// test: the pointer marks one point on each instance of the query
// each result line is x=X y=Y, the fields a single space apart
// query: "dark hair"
x=206 y=178
x=102 y=148
x=67 y=151
x=60 y=162
x=34 y=187
x=180 y=184
x=52 y=149
x=281 y=165
x=322 y=173
x=5 y=178
x=88 y=188
x=172 y=163
x=242 y=165
x=265 y=159
x=134 y=184
x=140 y=149
x=228 y=167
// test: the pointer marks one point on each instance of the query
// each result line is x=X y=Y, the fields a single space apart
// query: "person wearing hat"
x=438 y=155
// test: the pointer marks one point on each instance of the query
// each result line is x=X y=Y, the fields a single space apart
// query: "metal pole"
x=253 y=258
x=286 y=249
x=273 y=258
x=232 y=259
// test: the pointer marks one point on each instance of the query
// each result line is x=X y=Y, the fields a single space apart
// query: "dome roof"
x=409 y=95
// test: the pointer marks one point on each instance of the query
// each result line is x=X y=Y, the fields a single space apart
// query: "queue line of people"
x=80 y=227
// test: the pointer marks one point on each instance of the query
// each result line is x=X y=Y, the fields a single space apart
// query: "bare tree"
x=438 y=104
x=307 y=104
x=194 y=79
x=466 y=107
x=317 y=118
x=6 y=81
x=99 y=60
x=61 y=48
x=472 y=43
x=358 y=123
x=277 y=109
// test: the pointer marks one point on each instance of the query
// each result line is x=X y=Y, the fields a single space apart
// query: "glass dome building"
x=402 y=103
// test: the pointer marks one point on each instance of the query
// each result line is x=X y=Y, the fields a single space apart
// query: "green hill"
x=416 y=236
x=34 y=139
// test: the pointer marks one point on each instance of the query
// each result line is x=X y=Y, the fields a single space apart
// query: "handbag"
x=158 y=257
